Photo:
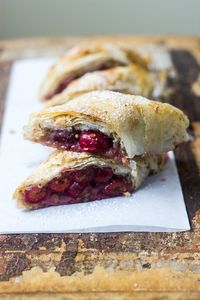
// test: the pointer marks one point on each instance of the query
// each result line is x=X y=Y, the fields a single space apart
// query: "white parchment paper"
x=157 y=206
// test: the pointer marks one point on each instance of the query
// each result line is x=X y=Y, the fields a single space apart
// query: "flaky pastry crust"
x=86 y=58
x=60 y=161
x=131 y=79
x=141 y=125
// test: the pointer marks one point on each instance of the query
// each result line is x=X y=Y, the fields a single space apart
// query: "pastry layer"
x=131 y=79
x=69 y=178
x=86 y=58
x=108 y=121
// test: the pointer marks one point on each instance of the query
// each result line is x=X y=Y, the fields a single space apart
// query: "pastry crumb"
x=127 y=194
x=163 y=179
x=12 y=131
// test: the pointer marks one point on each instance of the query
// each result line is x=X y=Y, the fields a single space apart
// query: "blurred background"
x=31 y=18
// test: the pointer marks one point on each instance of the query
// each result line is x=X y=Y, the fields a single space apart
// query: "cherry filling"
x=63 y=85
x=91 y=141
x=94 y=142
x=71 y=187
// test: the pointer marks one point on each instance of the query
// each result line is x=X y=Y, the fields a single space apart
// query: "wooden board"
x=112 y=265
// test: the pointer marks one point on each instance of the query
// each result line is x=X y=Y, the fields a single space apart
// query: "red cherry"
x=59 y=184
x=63 y=137
x=63 y=85
x=103 y=175
x=93 y=141
x=88 y=191
x=75 y=189
x=34 y=194
x=116 y=187
x=84 y=175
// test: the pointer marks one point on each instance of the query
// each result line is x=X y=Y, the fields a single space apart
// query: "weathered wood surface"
x=112 y=265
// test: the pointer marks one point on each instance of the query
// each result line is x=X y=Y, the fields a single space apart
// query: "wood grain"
x=113 y=265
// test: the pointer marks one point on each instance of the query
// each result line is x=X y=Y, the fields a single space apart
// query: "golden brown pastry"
x=110 y=124
x=86 y=58
x=69 y=177
x=131 y=79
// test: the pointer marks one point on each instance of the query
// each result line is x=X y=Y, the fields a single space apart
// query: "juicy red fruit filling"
x=90 y=141
x=94 y=142
x=79 y=186
x=64 y=85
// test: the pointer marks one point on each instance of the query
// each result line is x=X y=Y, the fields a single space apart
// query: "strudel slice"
x=69 y=178
x=110 y=124
x=86 y=58
x=131 y=79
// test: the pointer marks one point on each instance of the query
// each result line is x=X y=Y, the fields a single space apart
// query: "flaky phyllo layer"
x=69 y=178
x=83 y=59
x=132 y=79
x=110 y=124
